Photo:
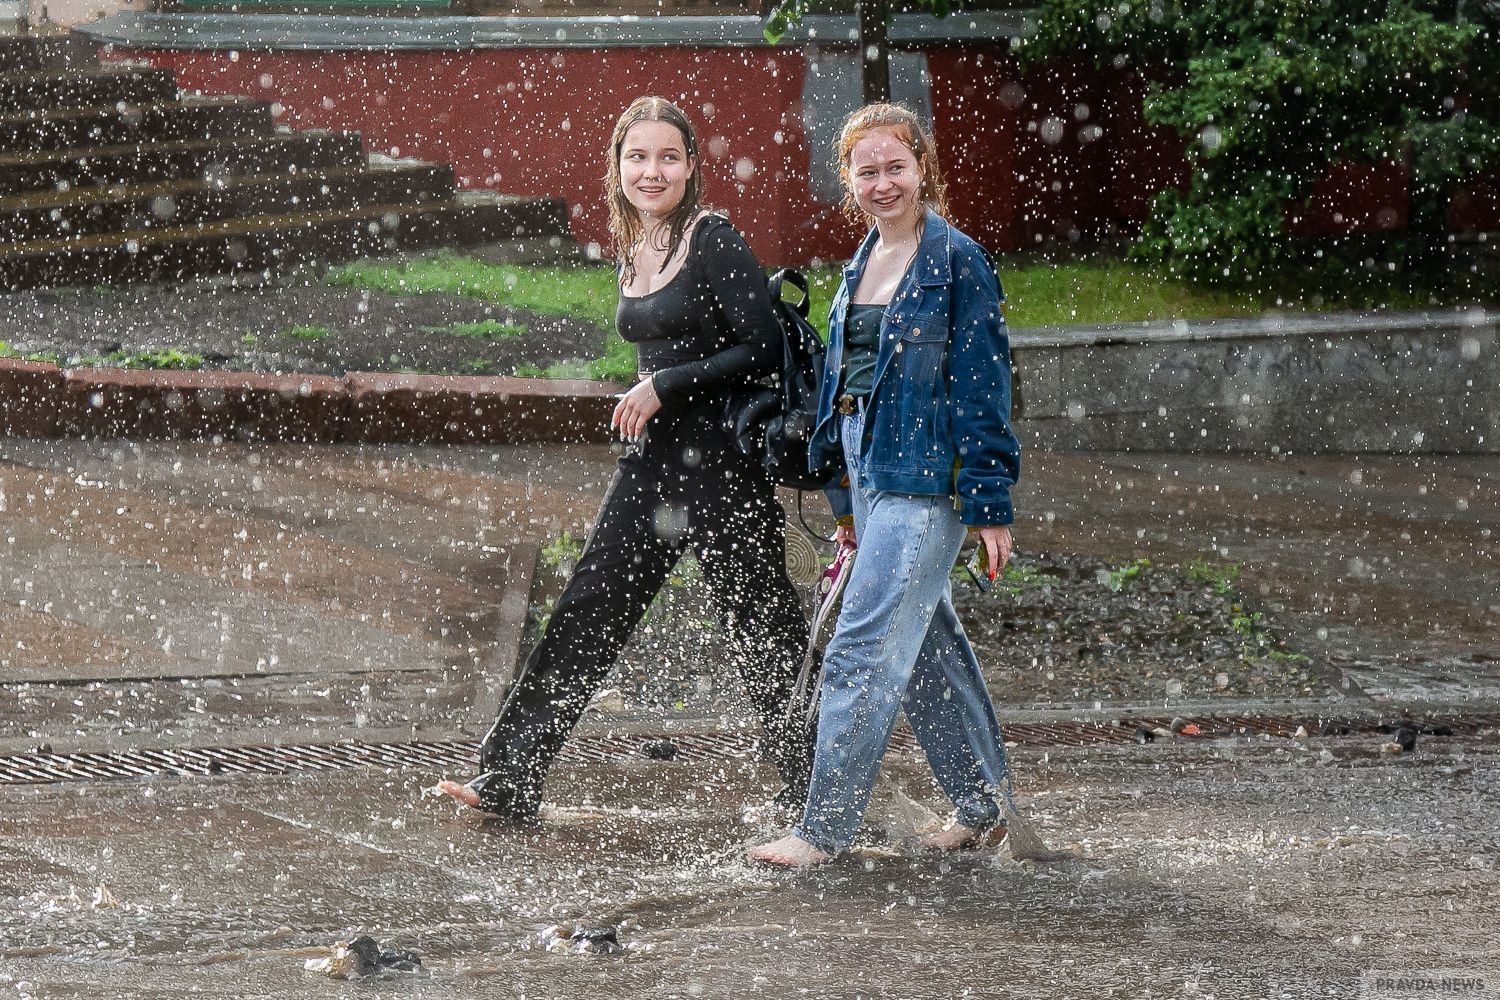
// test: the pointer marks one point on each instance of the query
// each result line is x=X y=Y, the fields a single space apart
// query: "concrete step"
x=52 y=89
x=268 y=242
x=35 y=54
x=211 y=160
x=90 y=211
x=121 y=124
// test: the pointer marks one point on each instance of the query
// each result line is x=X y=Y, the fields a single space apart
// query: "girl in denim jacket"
x=916 y=401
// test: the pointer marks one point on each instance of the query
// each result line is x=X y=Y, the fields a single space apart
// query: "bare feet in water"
x=957 y=837
x=463 y=793
x=789 y=852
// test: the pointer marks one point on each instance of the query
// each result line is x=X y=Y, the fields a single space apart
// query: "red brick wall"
x=1027 y=157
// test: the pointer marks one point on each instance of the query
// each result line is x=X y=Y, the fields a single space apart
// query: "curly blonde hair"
x=902 y=123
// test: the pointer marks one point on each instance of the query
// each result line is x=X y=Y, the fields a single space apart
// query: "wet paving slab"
x=1238 y=866
x=1243 y=867
x=123 y=584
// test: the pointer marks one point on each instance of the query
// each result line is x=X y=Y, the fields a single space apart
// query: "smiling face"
x=655 y=167
x=885 y=177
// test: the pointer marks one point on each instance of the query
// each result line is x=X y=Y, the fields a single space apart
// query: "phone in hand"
x=978 y=569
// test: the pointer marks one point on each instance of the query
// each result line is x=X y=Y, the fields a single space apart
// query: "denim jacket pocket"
x=927 y=328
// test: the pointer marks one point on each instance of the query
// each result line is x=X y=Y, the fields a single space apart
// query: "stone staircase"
x=109 y=174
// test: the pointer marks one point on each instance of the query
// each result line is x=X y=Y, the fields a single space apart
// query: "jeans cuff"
x=979 y=815
x=822 y=844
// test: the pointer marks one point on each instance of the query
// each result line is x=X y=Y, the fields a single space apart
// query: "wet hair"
x=625 y=226
x=907 y=128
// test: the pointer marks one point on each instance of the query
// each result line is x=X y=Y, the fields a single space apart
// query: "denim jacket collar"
x=934 y=261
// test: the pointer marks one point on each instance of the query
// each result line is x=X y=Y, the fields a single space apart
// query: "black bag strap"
x=798 y=280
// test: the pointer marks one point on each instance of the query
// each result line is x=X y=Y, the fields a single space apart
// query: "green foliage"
x=562 y=552
x=1245 y=623
x=1118 y=579
x=166 y=358
x=1220 y=576
x=248 y=339
x=485 y=329
x=1270 y=95
x=308 y=332
x=789 y=12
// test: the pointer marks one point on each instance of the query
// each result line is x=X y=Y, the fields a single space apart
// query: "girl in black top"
x=694 y=301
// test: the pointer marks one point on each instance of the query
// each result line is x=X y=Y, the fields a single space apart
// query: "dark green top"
x=861 y=340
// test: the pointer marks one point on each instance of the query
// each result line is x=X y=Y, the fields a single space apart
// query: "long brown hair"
x=908 y=129
x=625 y=225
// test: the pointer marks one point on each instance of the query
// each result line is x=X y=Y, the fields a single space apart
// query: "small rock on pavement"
x=362 y=957
x=608 y=700
x=659 y=750
x=581 y=940
x=1406 y=739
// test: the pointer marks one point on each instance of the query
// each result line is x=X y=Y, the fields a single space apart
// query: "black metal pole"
x=874 y=49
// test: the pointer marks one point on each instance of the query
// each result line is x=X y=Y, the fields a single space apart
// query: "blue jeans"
x=899 y=644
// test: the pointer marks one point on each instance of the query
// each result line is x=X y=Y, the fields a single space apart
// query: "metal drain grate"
x=50 y=768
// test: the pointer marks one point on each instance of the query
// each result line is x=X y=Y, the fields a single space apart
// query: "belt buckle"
x=846 y=405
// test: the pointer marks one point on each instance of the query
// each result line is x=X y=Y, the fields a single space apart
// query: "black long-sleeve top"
x=709 y=328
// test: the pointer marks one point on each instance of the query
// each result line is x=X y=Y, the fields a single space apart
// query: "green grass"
x=170 y=357
x=309 y=332
x=1039 y=294
x=1219 y=576
x=49 y=357
x=485 y=329
x=583 y=292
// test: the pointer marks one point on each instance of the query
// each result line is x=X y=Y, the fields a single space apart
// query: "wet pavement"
x=170 y=595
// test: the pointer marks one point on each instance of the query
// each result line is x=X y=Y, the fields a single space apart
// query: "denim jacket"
x=937 y=421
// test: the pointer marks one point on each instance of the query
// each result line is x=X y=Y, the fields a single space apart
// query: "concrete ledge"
x=29 y=397
x=41 y=400
x=344 y=32
x=1393 y=383
x=115 y=402
x=474 y=409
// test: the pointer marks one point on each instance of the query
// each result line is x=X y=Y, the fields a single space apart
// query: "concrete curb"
x=43 y=400
x=1398 y=383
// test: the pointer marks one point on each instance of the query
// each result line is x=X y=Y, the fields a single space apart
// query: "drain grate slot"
x=692 y=748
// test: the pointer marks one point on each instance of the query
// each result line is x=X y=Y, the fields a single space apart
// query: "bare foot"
x=957 y=837
x=790 y=851
x=463 y=793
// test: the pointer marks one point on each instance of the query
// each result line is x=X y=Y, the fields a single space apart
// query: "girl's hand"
x=843 y=536
x=997 y=545
x=635 y=408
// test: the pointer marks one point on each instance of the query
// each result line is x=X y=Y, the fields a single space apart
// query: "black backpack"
x=772 y=420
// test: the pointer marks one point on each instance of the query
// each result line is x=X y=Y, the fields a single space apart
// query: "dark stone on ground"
x=596 y=940
x=659 y=750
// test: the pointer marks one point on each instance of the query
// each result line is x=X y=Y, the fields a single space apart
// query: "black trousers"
x=685 y=488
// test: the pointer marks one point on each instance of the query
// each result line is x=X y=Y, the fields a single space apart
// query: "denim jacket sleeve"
x=837 y=493
x=989 y=456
